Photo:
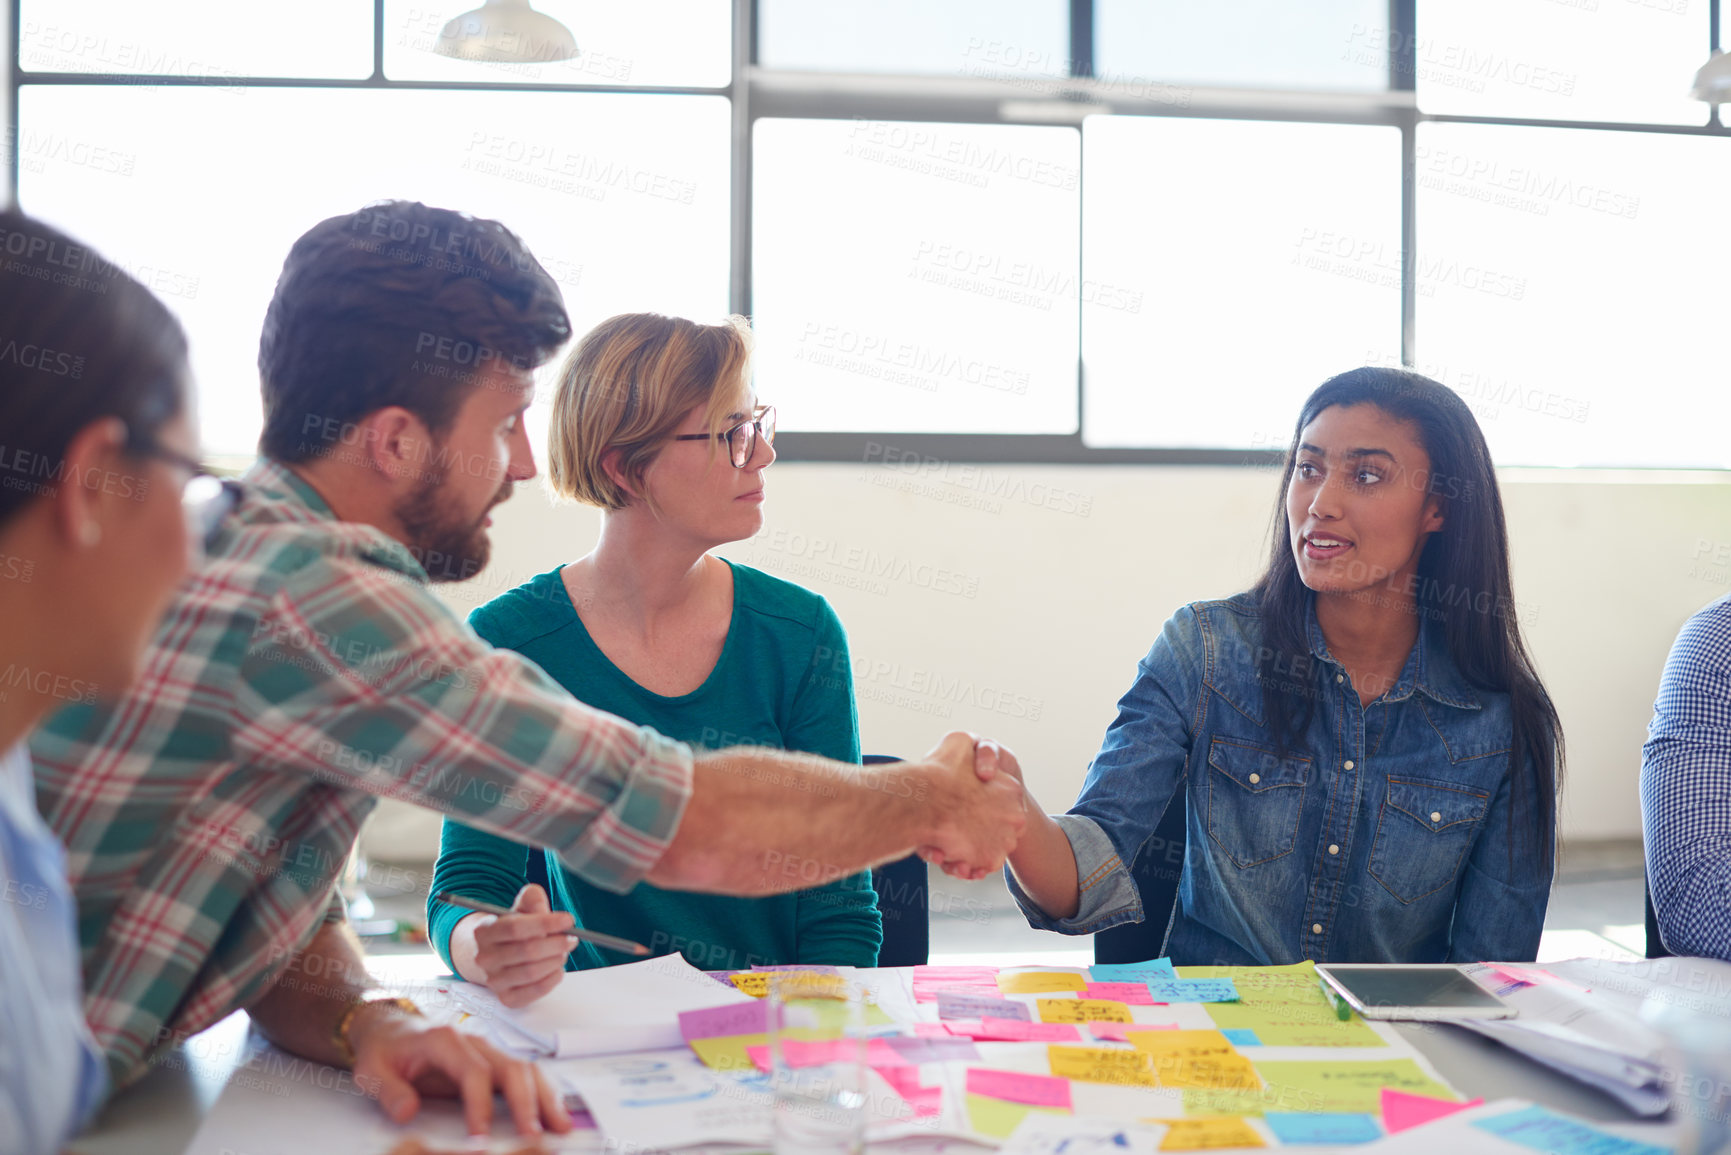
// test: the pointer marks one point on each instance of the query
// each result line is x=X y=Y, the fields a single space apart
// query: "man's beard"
x=450 y=547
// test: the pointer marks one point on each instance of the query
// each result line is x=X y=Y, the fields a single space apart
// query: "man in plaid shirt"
x=308 y=670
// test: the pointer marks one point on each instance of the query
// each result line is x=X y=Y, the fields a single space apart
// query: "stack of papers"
x=1570 y=1030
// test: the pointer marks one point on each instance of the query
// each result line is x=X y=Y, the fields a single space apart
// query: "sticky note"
x=819 y=986
x=1192 y=990
x=1206 y=1073
x=1401 y=1111
x=1291 y=1026
x=954 y=1005
x=1016 y=1031
x=999 y=1117
x=1082 y=1011
x=1295 y=1130
x=1184 y=1044
x=905 y=1081
x=1120 y=1032
x=732 y=1019
x=821 y=1052
x=1141 y=972
x=809 y=968
x=1101 y=1065
x=1019 y=1087
x=932 y=1031
x=1353 y=1088
x=1041 y=982
x=946 y=1050
x=1547 y=1131
x=728 y=1052
x=1211 y=1133
x=966 y=974
x=1242 y=1038
x=1132 y=994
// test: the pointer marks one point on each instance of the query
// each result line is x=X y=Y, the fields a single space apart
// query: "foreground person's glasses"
x=742 y=438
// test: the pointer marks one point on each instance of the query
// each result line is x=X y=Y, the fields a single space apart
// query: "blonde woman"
x=654 y=421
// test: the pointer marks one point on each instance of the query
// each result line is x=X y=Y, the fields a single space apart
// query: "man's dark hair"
x=397 y=304
x=80 y=341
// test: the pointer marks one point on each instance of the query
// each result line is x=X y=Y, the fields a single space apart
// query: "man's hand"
x=981 y=803
x=401 y=1057
x=523 y=954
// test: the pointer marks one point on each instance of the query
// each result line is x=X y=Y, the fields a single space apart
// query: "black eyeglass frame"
x=205 y=512
x=755 y=422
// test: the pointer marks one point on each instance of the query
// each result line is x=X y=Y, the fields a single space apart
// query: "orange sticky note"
x=1208 y=1133
x=1082 y=1011
x=1119 y=1067
x=1041 y=982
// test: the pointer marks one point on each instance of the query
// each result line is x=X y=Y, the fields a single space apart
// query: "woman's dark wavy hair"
x=1464 y=594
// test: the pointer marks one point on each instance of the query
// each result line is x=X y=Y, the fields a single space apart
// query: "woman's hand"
x=520 y=956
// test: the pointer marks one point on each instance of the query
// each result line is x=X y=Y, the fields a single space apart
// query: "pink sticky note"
x=1017 y=1031
x=1401 y=1111
x=815 y=1053
x=733 y=1019
x=1135 y=994
x=975 y=974
x=933 y=1031
x=1015 y=1087
x=1119 y=1032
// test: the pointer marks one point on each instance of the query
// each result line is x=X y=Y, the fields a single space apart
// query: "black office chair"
x=902 y=900
x=1655 y=943
x=1156 y=869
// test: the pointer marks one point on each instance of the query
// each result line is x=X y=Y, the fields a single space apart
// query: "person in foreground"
x=1686 y=789
x=96 y=437
x=1370 y=760
x=654 y=422
x=310 y=670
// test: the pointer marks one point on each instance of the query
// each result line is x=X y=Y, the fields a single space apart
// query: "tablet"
x=1428 y=992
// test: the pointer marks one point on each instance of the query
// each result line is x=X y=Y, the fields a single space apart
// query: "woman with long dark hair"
x=1370 y=761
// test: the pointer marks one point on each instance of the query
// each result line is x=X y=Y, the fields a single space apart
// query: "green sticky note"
x=1294 y=1025
x=1350 y=1087
x=998 y=1117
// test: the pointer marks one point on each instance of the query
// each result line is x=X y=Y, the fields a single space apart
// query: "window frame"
x=756 y=93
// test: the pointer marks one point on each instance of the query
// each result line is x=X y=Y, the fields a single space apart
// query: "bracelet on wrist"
x=340 y=1035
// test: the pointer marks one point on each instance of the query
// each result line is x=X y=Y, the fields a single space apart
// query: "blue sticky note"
x=1193 y=990
x=1242 y=1037
x=1548 y=1131
x=1304 y=1129
x=1141 y=972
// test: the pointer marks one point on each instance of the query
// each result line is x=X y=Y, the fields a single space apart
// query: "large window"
x=1023 y=230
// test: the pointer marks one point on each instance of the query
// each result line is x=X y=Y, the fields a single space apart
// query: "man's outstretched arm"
x=763 y=821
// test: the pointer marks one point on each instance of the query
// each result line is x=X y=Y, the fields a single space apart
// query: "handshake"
x=979 y=806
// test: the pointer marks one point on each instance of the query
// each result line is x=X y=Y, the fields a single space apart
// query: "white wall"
x=999 y=611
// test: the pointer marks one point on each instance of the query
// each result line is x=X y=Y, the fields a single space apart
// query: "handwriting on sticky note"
x=1017 y=1087
x=1192 y=990
x=1206 y=1072
x=1041 y=982
x=1183 y=1044
x=1208 y=1134
x=1125 y=1068
x=954 y=1005
x=1017 y=1031
x=1319 y=1130
x=1082 y=1011
x=1131 y=994
x=1547 y=1131
x=1353 y=1088
x=1141 y=972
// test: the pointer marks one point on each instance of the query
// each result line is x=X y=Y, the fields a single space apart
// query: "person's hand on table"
x=523 y=954
x=988 y=813
x=401 y=1057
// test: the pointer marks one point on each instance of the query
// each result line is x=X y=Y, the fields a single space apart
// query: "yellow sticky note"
x=1120 y=1067
x=1040 y=982
x=812 y=984
x=727 y=1052
x=998 y=1117
x=1290 y=984
x=1082 y=1011
x=1351 y=1087
x=1184 y=1044
x=1206 y=1073
x=1208 y=1133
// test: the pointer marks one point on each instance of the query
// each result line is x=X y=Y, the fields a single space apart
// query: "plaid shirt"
x=302 y=673
x=1686 y=789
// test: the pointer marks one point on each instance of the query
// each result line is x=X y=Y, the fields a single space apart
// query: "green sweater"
x=783 y=680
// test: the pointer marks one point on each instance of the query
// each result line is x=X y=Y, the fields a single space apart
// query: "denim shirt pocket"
x=1255 y=797
x=1423 y=834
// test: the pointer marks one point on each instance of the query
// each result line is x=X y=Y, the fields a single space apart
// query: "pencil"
x=611 y=942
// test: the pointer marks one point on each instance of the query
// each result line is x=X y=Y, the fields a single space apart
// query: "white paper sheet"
x=612 y=1010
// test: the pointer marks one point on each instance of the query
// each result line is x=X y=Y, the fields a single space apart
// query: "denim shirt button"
x=1333 y=848
x=1436 y=816
x=1255 y=778
x=1316 y=928
x=1349 y=764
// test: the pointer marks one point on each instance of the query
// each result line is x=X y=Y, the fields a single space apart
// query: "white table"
x=160 y=1114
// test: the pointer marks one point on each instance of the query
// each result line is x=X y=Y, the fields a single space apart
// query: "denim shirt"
x=1382 y=835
